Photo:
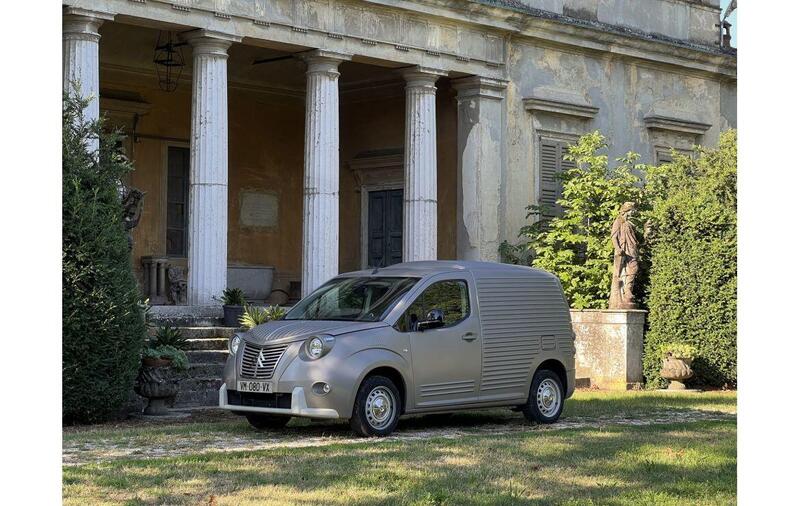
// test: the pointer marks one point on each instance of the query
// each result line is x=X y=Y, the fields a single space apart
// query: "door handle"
x=469 y=337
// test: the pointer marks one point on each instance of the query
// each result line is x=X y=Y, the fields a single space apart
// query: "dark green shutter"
x=551 y=163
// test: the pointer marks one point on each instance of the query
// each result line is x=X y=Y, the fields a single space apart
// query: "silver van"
x=416 y=337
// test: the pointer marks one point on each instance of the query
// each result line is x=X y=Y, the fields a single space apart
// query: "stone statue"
x=132 y=202
x=626 y=259
x=177 y=285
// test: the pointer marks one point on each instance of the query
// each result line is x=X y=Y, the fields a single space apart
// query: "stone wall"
x=609 y=345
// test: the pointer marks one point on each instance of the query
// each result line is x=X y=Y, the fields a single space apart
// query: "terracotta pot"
x=677 y=370
x=158 y=384
x=156 y=362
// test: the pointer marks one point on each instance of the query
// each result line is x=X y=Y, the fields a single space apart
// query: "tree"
x=692 y=237
x=576 y=246
x=103 y=323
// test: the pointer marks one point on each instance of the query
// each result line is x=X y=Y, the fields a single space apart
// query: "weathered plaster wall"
x=624 y=91
x=690 y=20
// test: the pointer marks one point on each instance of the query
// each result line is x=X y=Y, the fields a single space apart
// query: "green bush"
x=576 y=246
x=692 y=237
x=168 y=352
x=103 y=323
x=167 y=335
x=254 y=315
x=233 y=297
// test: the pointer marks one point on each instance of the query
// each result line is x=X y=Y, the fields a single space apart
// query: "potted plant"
x=677 y=364
x=162 y=360
x=233 y=303
x=252 y=315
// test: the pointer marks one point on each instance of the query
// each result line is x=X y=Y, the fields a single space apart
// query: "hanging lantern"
x=168 y=58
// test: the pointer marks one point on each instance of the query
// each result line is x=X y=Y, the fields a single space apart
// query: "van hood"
x=298 y=330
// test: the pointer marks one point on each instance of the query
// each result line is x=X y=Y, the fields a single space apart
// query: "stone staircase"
x=207 y=350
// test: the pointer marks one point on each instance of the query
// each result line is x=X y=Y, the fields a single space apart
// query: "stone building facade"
x=320 y=136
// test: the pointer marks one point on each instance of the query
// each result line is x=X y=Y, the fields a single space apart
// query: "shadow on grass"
x=621 y=465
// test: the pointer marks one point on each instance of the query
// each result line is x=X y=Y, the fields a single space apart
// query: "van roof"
x=430 y=267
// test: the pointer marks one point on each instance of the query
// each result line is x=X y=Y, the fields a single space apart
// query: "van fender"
x=569 y=372
x=363 y=362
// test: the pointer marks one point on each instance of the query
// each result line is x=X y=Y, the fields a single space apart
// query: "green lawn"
x=615 y=461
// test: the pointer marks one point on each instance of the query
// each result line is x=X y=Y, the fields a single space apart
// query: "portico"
x=311 y=137
x=228 y=220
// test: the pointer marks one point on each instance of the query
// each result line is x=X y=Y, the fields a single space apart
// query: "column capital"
x=422 y=77
x=324 y=61
x=83 y=23
x=210 y=42
x=479 y=86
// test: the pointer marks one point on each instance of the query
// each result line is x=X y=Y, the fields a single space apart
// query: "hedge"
x=103 y=323
x=692 y=240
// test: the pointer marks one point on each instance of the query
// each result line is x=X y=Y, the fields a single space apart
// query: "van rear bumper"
x=297 y=407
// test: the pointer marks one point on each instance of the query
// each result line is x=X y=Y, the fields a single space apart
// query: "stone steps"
x=189 y=332
x=207 y=349
x=207 y=356
x=209 y=344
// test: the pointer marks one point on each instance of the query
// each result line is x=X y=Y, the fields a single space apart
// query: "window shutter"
x=663 y=157
x=548 y=184
x=551 y=163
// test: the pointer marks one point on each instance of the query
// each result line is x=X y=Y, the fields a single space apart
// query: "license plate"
x=262 y=387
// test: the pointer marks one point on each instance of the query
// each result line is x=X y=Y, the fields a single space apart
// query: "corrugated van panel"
x=520 y=317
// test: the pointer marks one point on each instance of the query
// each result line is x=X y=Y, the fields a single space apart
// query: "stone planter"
x=676 y=370
x=231 y=315
x=158 y=382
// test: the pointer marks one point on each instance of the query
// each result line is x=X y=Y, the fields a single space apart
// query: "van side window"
x=451 y=296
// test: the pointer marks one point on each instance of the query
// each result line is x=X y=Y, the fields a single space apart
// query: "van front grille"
x=259 y=362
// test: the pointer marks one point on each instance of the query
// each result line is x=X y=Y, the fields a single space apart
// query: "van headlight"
x=318 y=346
x=233 y=344
x=315 y=348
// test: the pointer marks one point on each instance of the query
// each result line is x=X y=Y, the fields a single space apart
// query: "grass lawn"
x=678 y=462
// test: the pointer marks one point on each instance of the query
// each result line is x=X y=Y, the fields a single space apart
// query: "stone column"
x=321 y=181
x=481 y=164
x=81 y=60
x=419 y=212
x=208 y=185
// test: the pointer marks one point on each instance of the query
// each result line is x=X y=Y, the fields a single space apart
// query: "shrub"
x=576 y=246
x=178 y=358
x=678 y=350
x=103 y=323
x=254 y=315
x=233 y=297
x=168 y=336
x=692 y=236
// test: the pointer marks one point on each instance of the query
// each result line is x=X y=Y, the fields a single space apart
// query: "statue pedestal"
x=609 y=345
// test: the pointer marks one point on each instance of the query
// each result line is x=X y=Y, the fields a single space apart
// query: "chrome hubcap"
x=548 y=397
x=380 y=407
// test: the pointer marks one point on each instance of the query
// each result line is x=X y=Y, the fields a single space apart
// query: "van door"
x=446 y=355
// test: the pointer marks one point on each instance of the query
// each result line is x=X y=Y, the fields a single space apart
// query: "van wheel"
x=545 y=399
x=262 y=421
x=377 y=407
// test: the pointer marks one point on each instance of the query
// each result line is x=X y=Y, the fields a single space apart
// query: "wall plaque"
x=258 y=209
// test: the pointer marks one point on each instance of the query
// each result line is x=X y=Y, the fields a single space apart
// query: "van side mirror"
x=434 y=319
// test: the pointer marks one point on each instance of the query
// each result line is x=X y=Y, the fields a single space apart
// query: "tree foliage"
x=692 y=237
x=576 y=246
x=103 y=323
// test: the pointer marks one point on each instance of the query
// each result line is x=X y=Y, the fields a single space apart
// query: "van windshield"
x=363 y=299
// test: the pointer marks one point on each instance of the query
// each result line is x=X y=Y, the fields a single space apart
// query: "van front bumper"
x=298 y=406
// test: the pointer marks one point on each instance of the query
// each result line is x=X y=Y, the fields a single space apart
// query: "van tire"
x=263 y=421
x=536 y=410
x=381 y=391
